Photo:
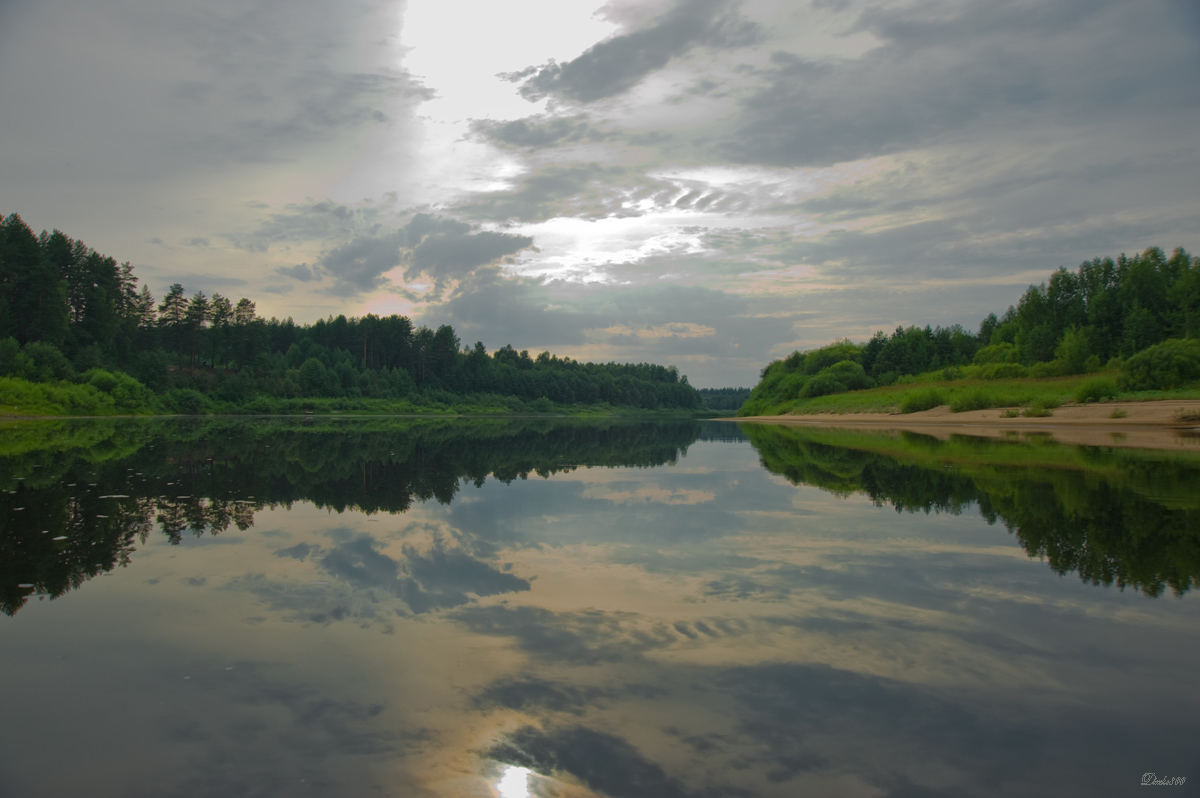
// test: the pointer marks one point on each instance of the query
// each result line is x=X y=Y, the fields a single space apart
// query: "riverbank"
x=1162 y=424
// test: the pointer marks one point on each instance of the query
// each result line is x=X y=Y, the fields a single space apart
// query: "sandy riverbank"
x=1146 y=424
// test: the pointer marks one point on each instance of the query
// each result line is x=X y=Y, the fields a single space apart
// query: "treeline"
x=1140 y=315
x=724 y=398
x=69 y=314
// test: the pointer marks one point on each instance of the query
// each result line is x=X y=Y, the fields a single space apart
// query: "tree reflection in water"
x=1114 y=516
x=79 y=497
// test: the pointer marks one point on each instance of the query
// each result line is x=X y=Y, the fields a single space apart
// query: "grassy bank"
x=926 y=391
x=126 y=397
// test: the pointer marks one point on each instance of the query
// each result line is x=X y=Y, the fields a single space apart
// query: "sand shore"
x=1153 y=425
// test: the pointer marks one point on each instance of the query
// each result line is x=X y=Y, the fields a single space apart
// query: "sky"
x=705 y=183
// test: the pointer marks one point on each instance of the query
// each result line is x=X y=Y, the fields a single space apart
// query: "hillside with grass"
x=1114 y=329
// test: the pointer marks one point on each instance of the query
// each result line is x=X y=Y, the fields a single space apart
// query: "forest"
x=78 y=335
x=1137 y=317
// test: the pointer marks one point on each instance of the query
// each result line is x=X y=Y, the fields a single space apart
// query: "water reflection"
x=592 y=609
x=1113 y=516
x=77 y=499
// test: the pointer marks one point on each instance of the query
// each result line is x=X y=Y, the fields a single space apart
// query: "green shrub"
x=996 y=353
x=916 y=401
x=838 y=352
x=1037 y=410
x=1095 y=389
x=1002 y=371
x=1048 y=368
x=48 y=363
x=822 y=385
x=102 y=380
x=1073 y=351
x=850 y=374
x=11 y=358
x=952 y=373
x=789 y=387
x=185 y=401
x=1171 y=364
x=974 y=399
x=150 y=368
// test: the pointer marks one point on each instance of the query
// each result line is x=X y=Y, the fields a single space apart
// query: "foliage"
x=1171 y=364
x=1105 y=311
x=724 y=399
x=65 y=309
x=972 y=399
x=926 y=399
x=1095 y=389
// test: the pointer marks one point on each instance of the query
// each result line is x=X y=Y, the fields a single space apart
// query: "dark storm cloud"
x=608 y=764
x=618 y=64
x=538 y=132
x=977 y=66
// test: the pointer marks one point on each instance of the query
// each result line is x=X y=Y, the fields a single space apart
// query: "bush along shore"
x=78 y=336
x=1125 y=329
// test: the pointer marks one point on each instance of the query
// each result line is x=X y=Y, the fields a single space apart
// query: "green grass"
x=963 y=394
x=22 y=398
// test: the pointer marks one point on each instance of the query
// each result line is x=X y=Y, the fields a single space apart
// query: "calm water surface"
x=542 y=608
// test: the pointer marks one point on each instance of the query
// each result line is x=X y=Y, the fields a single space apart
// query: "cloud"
x=428 y=246
x=539 y=132
x=456 y=252
x=794 y=710
x=657 y=323
x=436 y=579
x=586 y=637
x=585 y=190
x=302 y=222
x=533 y=694
x=301 y=271
x=358 y=266
x=171 y=90
x=298 y=552
x=608 y=764
x=938 y=70
x=617 y=64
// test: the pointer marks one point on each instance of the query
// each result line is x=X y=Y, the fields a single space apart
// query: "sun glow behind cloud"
x=514 y=783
